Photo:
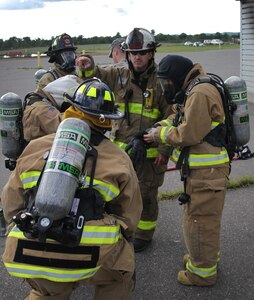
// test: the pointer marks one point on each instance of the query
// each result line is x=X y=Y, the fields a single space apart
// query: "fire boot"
x=140 y=245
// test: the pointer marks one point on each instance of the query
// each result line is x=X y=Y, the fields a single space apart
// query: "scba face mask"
x=168 y=90
x=172 y=93
x=66 y=60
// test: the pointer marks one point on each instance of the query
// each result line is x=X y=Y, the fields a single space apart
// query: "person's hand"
x=84 y=63
x=137 y=150
x=149 y=137
x=85 y=66
x=161 y=160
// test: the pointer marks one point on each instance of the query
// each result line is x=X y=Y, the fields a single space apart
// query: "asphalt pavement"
x=157 y=267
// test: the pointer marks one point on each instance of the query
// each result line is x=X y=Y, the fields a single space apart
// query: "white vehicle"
x=188 y=43
x=217 y=42
x=198 y=44
x=207 y=42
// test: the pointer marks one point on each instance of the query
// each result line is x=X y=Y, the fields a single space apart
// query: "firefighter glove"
x=137 y=152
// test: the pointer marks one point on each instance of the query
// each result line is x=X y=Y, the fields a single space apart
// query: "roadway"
x=157 y=267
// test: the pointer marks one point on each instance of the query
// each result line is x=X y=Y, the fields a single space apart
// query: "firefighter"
x=104 y=256
x=204 y=163
x=62 y=53
x=42 y=115
x=43 y=110
x=139 y=96
x=117 y=53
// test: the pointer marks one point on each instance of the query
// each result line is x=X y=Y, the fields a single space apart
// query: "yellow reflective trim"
x=138 y=109
x=81 y=89
x=15 y=232
x=147 y=225
x=101 y=234
x=153 y=114
x=120 y=144
x=203 y=160
x=89 y=73
x=201 y=272
x=90 y=235
x=164 y=132
x=208 y=159
x=92 y=92
x=150 y=153
x=52 y=274
x=29 y=179
x=108 y=191
x=214 y=124
x=107 y=96
x=90 y=228
x=121 y=106
x=166 y=122
x=101 y=237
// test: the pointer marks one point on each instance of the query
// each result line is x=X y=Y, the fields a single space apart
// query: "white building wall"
x=247 y=44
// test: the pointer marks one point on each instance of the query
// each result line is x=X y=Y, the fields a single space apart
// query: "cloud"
x=121 y=11
x=26 y=4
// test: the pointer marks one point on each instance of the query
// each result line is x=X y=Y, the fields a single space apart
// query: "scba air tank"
x=63 y=169
x=238 y=92
x=11 y=130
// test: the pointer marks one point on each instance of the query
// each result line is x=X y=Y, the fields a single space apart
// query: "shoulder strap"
x=31 y=98
x=96 y=137
x=53 y=73
x=195 y=82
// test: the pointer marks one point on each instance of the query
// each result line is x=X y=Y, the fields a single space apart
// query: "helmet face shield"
x=66 y=60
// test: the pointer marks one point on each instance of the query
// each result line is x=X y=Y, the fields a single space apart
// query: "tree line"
x=27 y=42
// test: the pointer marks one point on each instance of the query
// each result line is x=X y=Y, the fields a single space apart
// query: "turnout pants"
x=150 y=179
x=202 y=222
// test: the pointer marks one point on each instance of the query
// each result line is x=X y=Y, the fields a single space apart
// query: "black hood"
x=175 y=67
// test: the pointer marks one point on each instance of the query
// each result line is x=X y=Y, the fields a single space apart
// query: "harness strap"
x=53 y=73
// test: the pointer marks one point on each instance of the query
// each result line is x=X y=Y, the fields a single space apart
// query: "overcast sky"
x=44 y=19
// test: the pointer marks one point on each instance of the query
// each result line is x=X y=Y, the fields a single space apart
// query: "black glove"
x=138 y=150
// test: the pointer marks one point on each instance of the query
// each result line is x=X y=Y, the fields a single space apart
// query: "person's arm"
x=195 y=126
x=12 y=196
x=85 y=66
x=40 y=119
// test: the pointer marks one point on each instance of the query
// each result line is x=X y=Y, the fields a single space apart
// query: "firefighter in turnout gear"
x=110 y=203
x=204 y=163
x=43 y=111
x=139 y=96
x=62 y=53
x=42 y=114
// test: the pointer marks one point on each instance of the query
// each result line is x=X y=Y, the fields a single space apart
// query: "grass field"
x=104 y=48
